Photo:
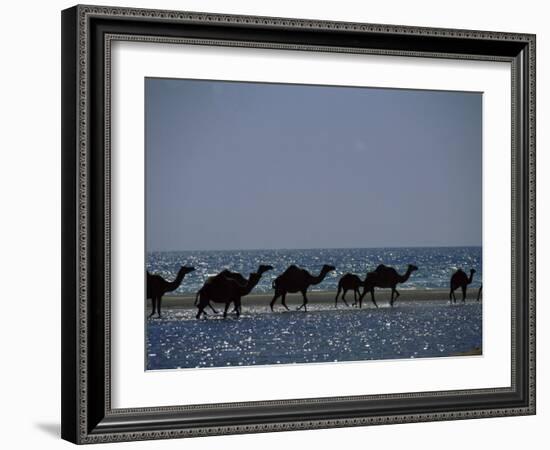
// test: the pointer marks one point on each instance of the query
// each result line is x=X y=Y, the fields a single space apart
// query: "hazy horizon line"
x=316 y=248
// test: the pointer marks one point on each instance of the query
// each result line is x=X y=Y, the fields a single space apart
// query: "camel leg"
x=275 y=297
x=344 y=297
x=479 y=293
x=354 y=298
x=159 y=299
x=396 y=295
x=237 y=308
x=452 y=297
x=225 y=310
x=283 y=301
x=361 y=297
x=360 y=300
x=201 y=310
x=372 y=298
x=154 y=306
x=304 y=304
x=212 y=308
x=464 y=294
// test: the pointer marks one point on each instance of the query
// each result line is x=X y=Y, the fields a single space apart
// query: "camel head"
x=264 y=268
x=412 y=267
x=327 y=268
x=472 y=271
x=186 y=269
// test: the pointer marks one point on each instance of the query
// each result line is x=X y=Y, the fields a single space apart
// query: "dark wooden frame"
x=87 y=32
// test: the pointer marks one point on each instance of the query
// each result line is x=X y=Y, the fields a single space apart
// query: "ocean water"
x=435 y=264
x=322 y=335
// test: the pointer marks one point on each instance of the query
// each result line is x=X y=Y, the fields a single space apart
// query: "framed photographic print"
x=279 y=224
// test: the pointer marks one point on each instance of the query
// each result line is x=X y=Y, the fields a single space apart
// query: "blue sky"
x=233 y=165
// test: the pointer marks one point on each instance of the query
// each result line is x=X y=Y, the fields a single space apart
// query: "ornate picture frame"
x=88 y=33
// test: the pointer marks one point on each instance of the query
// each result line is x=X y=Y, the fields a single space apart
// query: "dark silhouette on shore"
x=158 y=286
x=295 y=279
x=385 y=277
x=227 y=274
x=352 y=282
x=479 y=292
x=460 y=280
x=227 y=287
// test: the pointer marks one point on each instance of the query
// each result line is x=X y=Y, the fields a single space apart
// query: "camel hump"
x=292 y=270
x=459 y=276
x=348 y=276
x=210 y=280
x=380 y=267
x=233 y=276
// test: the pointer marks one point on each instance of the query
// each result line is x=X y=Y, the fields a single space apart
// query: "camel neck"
x=175 y=284
x=319 y=278
x=252 y=282
x=406 y=276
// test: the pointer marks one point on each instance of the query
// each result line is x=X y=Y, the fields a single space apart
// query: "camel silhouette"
x=158 y=286
x=385 y=277
x=460 y=280
x=352 y=282
x=479 y=292
x=295 y=279
x=227 y=287
x=226 y=274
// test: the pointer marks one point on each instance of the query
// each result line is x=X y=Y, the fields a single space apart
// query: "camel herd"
x=229 y=287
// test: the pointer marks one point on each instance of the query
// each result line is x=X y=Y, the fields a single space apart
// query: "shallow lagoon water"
x=323 y=334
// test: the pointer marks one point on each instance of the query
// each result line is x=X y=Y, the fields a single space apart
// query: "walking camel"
x=158 y=286
x=385 y=277
x=348 y=282
x=295 y=279
x=460 y=280
x=227 y=287
x=227 y=274
x=234 y=276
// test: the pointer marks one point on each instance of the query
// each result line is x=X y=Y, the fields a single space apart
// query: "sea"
x=413 y=329
x=435 y=264
x=322 y=335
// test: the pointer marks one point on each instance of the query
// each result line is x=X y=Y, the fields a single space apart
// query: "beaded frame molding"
x=87 y=35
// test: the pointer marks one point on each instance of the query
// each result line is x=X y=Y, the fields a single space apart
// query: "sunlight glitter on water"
x=258 y=337
x=435 y=264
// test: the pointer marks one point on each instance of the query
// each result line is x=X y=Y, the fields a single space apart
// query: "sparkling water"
x=323 y=334
x=435 y=264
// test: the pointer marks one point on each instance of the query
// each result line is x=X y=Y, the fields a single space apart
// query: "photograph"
x=302 y=223
x=275 y=221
